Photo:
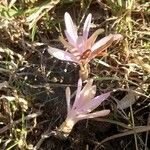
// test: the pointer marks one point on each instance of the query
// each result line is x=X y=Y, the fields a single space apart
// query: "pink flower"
x=81 y=48
x=84 y=104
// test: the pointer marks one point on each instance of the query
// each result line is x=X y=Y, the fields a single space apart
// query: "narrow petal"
x=62 y=55
x=80 y=44
x=93 y=37
x=84 y=93
x=94 y=114
x=68 y=99
x=99 y=47
x=103 y=42
x=71 y=30
x=94 y=103
x=85 y=97
x=87 y=26
x=78 y=93
x=70 y=39
x=87 y=93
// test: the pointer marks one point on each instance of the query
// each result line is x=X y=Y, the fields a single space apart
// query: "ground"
x=33 y=83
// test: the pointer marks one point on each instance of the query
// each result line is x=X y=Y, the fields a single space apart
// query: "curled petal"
x=70 y=28
x=87 y=26
x=62 y=55
x=94 y=114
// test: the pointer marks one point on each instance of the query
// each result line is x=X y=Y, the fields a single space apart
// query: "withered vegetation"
x=32 y=83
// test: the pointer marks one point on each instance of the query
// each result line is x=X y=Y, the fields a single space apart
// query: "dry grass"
x=32 y=83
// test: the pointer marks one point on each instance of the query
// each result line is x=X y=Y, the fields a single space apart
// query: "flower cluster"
x=81 y=50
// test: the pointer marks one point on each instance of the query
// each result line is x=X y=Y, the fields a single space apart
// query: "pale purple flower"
x=83 y=105
x=81 y=48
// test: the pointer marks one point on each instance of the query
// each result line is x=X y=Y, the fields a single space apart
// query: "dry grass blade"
x=138 y=60
x=41 y=11
x=28 y=117
x=136 y=130
x=147 y=133
x=12 y=3
x=4 y=84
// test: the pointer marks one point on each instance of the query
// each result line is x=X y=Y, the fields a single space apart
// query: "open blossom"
x=81 y=49
x=78 y=45
x=83 y=105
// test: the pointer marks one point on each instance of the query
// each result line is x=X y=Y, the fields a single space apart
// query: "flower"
x=78 y=45
x=81 y=49
x=82 y=108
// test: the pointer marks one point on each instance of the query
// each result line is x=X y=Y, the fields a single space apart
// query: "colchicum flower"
x=81 y=49
x=82 y=108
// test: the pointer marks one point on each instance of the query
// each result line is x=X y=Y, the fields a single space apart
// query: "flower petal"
x=87 y=86
x=94 y=103
x=93 y=37
x=87 y=93
x=62 y=55
x=103 y=42
x=84 y=94
x=70 y=39
x=77 y=94
x=75 y=52
x=99 y=47
x=80 y=44
x=71 y=30
x=86 y=26
x=66 y=44
x=85 y=97
x=94 y=114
